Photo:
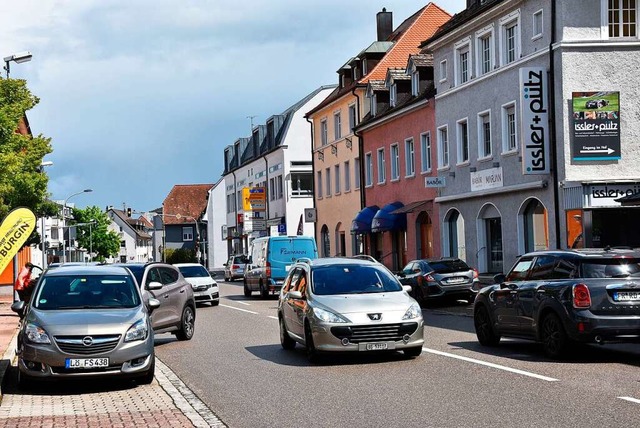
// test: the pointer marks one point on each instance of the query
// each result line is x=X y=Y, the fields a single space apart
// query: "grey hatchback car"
x=85 y=321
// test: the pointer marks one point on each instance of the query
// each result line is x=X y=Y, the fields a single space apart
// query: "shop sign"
x=604 y=195
x=434 y=182
x=486 y=179
x=534 y=107
x=595 y=126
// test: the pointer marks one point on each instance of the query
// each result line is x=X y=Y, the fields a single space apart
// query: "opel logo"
x=87 y=341
x=375 y=317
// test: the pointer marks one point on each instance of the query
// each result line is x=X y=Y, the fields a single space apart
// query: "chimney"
x=471 y=3
x=385 y=24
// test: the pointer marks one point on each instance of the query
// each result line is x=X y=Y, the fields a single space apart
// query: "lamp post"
x=43 y=164
x=64 y=216
x=18 y=58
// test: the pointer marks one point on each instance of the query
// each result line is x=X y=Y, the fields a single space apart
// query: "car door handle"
x=182 y=290
x=513 y=292
x=541 y=290
x=166 y=296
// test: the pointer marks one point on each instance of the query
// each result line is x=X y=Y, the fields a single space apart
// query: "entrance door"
x=494 y=239
x=425 y=236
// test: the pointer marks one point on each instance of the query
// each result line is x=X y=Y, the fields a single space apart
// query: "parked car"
x=162 y=281
x=234 y=267
x=437 y=278
x=563 y=296
x=596 y=103
x=270 y=259
x=85 y=322
x=348 y=305
x=205 y=288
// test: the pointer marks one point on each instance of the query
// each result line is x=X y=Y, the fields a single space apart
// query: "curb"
x=7 y=359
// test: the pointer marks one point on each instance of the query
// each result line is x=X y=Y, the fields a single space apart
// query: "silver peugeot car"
x=85 y=321
x=348 y=304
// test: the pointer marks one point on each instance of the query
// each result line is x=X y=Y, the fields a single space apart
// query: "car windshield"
x=86 y=292
x=193 y=271
x=610 y=268
x=448 y=266
x=353 y=279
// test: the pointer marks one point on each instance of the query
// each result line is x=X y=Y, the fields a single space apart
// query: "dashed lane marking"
x=271 y=316
x=239 y=309
x=633 y=400
x=492 y=365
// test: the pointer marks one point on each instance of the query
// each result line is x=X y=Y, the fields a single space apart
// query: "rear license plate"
x=623 y=296
x=456 y=280
x=86 y=363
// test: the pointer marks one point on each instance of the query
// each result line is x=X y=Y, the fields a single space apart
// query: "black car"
x=596 y=103
x=435 y=278
x=562 y=296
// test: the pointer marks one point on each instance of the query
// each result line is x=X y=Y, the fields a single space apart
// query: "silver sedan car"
x=85 y=321
x=348 y=305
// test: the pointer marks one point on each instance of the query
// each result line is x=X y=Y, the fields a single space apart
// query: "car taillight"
x=268 y=270
x=581 y=296
x=235 y=267
x=429 y=278
x=475 y=273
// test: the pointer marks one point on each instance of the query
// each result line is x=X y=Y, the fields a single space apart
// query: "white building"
x=215 y=216
x=135 y=240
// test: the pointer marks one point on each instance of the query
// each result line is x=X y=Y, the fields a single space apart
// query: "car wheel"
x=312 y=353
x=147 y=378
x=412 y=352
x=226 y=279
x=263 y=291
x=285 y=340
x=471 y=298
x=247 y=291
x=484 y=328
x=554 y=338
x=187 y=324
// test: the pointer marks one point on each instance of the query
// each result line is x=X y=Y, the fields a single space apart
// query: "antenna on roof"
x=251 y=119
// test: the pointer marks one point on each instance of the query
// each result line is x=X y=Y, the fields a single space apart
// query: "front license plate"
x=377 y=346
x=623 y=296
x=86 y=363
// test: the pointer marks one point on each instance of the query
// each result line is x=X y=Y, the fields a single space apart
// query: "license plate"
x=456 y=280
x=377 y=346
x=623 y=296
x=86 y=363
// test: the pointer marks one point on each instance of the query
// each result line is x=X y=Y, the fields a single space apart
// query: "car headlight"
x=413 y=312
x=36 y=334
x=327 y=316
x=138 y=331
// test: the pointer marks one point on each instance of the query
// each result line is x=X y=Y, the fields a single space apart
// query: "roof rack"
x=365 y=257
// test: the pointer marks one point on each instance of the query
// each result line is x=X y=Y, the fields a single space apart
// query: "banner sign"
x=596 y=126
x=534 y=111
x=254 y=198
x=486 y=179
x=14 y=232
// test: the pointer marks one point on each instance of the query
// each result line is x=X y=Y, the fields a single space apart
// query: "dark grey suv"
x=563 y=296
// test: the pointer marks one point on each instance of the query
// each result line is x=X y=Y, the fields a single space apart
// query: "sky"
x=140 y=95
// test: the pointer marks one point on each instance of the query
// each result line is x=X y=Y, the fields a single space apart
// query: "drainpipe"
x=313 y=176
x=266 y=186
x=552 y=108
x=363 y=199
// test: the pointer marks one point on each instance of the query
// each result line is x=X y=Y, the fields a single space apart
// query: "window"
x=409 y=158
x=368 y=170
x=337 y=124
x=187 y=233
x=543 y=268
x=123 y=244
x=623 y=18
x=395 y=162
x=356 y=172
x=484 y=134
x=443 y=70
x=381 y=167
x=520 y=271
x=352 y=118
x=319 y=186
x=443 y=147
x=328 y=180
x=272 y=189
x=485 y=50
x=463 y=59
x=425 y=152
x=393 y=94
x=509 y=132
x=238 y=200
x=301 y=183
x=324 y=136
x=374 y=101
x=463 y=141
x=415 y=83
x=347 y=177
x=537 y=25
x=510 y=38
x=337 y=176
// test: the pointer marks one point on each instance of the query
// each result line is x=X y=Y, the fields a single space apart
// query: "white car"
x=205 y=288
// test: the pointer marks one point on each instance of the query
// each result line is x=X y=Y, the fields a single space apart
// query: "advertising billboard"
x=595 y=126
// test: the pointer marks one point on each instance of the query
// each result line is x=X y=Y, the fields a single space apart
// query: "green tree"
x=180 y=255
x=104 y=242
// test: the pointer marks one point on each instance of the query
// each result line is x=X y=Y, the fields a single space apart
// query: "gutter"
x=313 y=177
x=552 y=107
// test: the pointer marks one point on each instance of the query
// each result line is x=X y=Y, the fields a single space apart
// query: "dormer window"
x=364 y=67
x=342 y=80
x=393 y=94
x=415 y=83
x=374 y=101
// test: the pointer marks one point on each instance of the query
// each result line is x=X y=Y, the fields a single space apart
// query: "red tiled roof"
x=142 y=219
x=187 y=200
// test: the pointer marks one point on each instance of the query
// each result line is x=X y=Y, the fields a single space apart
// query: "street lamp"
x=64 y=215
x=18 y=58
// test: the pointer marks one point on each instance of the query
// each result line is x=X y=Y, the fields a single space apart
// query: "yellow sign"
x=14 y=232
x=253 y=198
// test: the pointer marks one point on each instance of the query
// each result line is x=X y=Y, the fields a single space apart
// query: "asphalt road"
x=236 y=366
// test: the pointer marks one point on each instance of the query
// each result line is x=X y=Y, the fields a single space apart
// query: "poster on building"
x=534 y=108
x=595 y=126
x=254 y=198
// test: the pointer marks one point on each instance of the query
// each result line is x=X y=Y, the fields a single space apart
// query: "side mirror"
x=400 y=274
x=295 y=295
x=407 y=288
x=18 y=308
x=499 y=278
x=154 y=285
x=213 y=274
x=153 y=304
x=225 y=265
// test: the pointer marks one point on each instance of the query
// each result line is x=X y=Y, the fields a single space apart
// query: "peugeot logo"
x=375 y=317
x=87 y=341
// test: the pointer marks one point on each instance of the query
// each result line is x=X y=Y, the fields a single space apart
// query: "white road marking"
x=495 y=366
x=271 y=316
x=238 y=309
x=242 y=303
x=633 y=400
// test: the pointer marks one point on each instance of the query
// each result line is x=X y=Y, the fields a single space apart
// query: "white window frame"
x=347 y=176
x=187 y=233
x=507 y=22
x=443 y=147
x=352 y=117
x=482 y=155
x=356 y=173
x=442 y=71
x=374 y=104
x=505 y=132
x=409 y=158
x=324 y=132
x=327 y=180
x=336 y=169
x=319 y=185
x=382 y=168
x=279 y=186
x=463 y=47
x=393 y=94
x=415 y=82
x=394 y=159
x=538 y=35
x=486 y=33
x=425 y=152
x=368 y=171
x=605 y=23
x=460 y=141
x=337 y=125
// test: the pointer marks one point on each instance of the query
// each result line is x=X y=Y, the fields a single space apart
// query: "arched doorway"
x=325 y=240
x=533 y=226
x=341 y=241
x=490 y=253
x=454 y=239
x=424 y=236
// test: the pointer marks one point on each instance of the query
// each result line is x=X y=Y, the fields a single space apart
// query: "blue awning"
x=362 y=222
x=384 y=220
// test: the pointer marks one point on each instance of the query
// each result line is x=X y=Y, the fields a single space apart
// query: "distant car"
x=234 y=267
x=205 y=288
x=438 y=278
x=347 y=305
x=162 y=281
x=563 y=296
x=596 y=103
x=85 y=322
